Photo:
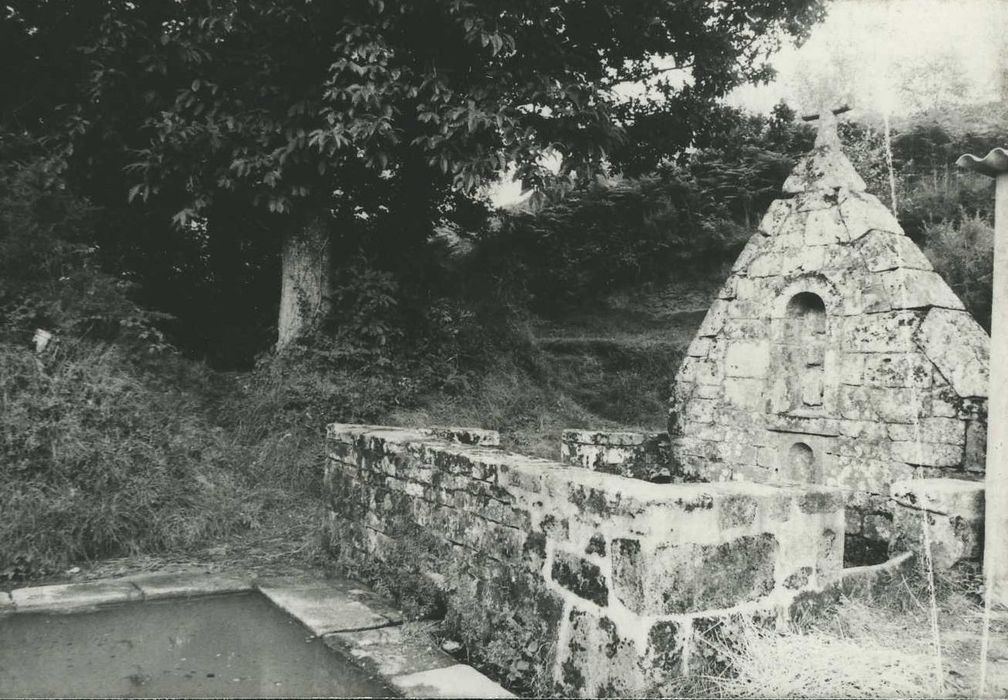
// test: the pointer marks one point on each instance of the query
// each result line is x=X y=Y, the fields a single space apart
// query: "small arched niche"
x=801 y=463
x=810 y=310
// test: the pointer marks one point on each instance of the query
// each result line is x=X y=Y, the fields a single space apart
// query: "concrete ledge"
x=69 y=596
x=390 y=651
x=458 y=681
x=463 y=436
x=466 y=436
x=608 y=438
x=186 y=585
x=326 y=607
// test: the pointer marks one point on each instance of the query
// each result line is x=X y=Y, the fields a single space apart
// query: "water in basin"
x=220 y=646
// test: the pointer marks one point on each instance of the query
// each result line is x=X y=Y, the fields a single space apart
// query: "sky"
x=878 y=43
x=881 y=57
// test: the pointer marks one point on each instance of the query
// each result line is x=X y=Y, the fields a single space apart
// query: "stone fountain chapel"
x=830 y=410
x=834 y=355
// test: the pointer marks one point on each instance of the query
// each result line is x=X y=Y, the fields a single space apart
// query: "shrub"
x=105 y=446
x=606 y=236
x=930 y=188
x=964 y=255
x=931 y=198
x=685 y=218
x=96 y=459
x=49 y=277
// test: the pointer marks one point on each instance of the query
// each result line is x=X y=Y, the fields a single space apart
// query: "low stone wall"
x=634 y=454
x=573 y=581
x=954 y=512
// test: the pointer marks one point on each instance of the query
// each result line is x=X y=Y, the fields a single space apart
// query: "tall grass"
x=817 y=664
x=875 y=641
x=98 y=459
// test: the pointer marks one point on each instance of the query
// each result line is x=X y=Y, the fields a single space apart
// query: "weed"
x=96 y=460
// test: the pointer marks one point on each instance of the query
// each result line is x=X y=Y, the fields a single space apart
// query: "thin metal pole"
x=996 y=481
x=995 y=165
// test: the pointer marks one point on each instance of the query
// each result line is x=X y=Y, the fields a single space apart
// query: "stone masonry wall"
x=634 y=454
x=601 y=584
x=953 y=510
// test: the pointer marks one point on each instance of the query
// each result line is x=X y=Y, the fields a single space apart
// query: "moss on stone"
x=581 y=577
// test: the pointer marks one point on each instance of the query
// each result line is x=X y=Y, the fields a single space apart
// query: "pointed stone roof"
x=833 y=223
x=896 y=348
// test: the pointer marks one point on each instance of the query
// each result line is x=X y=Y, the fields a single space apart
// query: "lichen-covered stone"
x=944 y=430
x=890 y=332
x=739 y=511
x=907 y=288
x=692 y=578
x=531 y=555
x=975 y=456
x=776 y=214
x=590 y=641
x=637 y=455
x=819 y=501
x=954 y=497
x=747 y=358
x=959 y=348
x=952 y=539
x=825 y=169
x=665 y=649
x=798 y=579
x=581 y=577
x=885 y=250
x=862 y=213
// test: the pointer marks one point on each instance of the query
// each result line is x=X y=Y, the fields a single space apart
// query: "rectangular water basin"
x=214 y=646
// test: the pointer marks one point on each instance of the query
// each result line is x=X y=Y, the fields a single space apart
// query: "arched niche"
x=808 y=308
x=804 y=346
x=801 y=461
x=807 y=293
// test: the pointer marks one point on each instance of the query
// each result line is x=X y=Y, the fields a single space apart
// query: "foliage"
x=741 y=170
x=49 y=278
x=865 y=146
x=604 y=237
x=690 y=216
x=96 y=459
x=513 y=638
x=398 y=574
x=963 y=255
x=240 y=121
x=109 y=442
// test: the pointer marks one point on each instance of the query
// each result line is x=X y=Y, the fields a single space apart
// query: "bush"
x=96 y=459
x=685 y=218
x=49 y=277
x=105 y=443
x=604 y=237
x=929 y=199
x=930 y=188
x=964 y=255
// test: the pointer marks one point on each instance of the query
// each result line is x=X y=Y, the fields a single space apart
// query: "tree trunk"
x=304 y=291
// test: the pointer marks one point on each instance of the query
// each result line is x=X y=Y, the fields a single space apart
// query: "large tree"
x=305 y=109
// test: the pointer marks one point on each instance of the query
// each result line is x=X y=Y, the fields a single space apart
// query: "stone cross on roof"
x=827 y=135
x=825 y=167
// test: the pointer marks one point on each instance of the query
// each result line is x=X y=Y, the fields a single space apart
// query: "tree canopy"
x=283 y=112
